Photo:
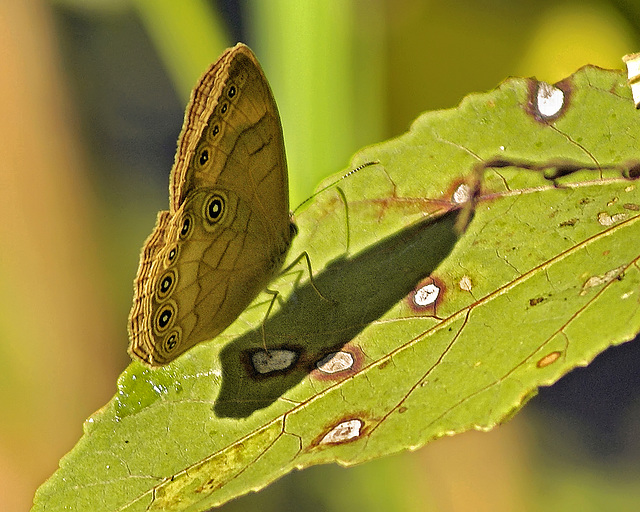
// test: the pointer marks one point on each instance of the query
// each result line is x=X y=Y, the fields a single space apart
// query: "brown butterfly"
x=228 y=228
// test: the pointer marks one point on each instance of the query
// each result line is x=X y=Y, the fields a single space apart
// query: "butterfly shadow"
x=306 y=328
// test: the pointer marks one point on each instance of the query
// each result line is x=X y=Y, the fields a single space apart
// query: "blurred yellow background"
x=92 y=94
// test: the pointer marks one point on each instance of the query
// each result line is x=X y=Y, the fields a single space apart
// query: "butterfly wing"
x=228 y=228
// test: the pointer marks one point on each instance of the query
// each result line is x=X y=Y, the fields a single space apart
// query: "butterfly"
x=228 y=228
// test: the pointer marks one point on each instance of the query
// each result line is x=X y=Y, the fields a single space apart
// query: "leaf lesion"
x=195 y=483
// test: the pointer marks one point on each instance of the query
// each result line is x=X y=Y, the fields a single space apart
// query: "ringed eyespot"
x=204 y=157
x=224 y=107
x=214 y=208
x=187 y=226
x=215 y=130
x=171 y=341
x=171 y=256
x=164 y=317
x=231 y=92
x=166 y=284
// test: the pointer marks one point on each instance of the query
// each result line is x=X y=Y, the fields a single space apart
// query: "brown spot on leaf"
x=549 y=359
x=632 y=170
x=535 y=301
x=568 y=223
x=208 y=487
x=384 y=364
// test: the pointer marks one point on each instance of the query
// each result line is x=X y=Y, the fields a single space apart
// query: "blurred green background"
x=92 y=99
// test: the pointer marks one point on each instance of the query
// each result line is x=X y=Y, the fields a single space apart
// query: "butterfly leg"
x=275 y=294
x=305 y=255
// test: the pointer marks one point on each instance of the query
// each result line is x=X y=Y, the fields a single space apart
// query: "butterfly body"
x=228 y=228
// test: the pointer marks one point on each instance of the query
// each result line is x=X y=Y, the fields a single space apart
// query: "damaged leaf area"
x=490 y=250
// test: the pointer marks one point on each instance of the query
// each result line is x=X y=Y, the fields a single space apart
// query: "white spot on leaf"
x=343 y=432
x=274 y=360
x=462 y=194
x=426 y=295
x=608 y=220
x=335 y=362
x=605 y=278
x=550 y=100
x=633 y=73
x=465 y=283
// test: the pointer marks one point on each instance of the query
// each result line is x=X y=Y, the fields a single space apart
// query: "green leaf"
x=435 y=333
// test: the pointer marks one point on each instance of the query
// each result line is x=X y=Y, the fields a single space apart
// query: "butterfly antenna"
x=333 y=183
